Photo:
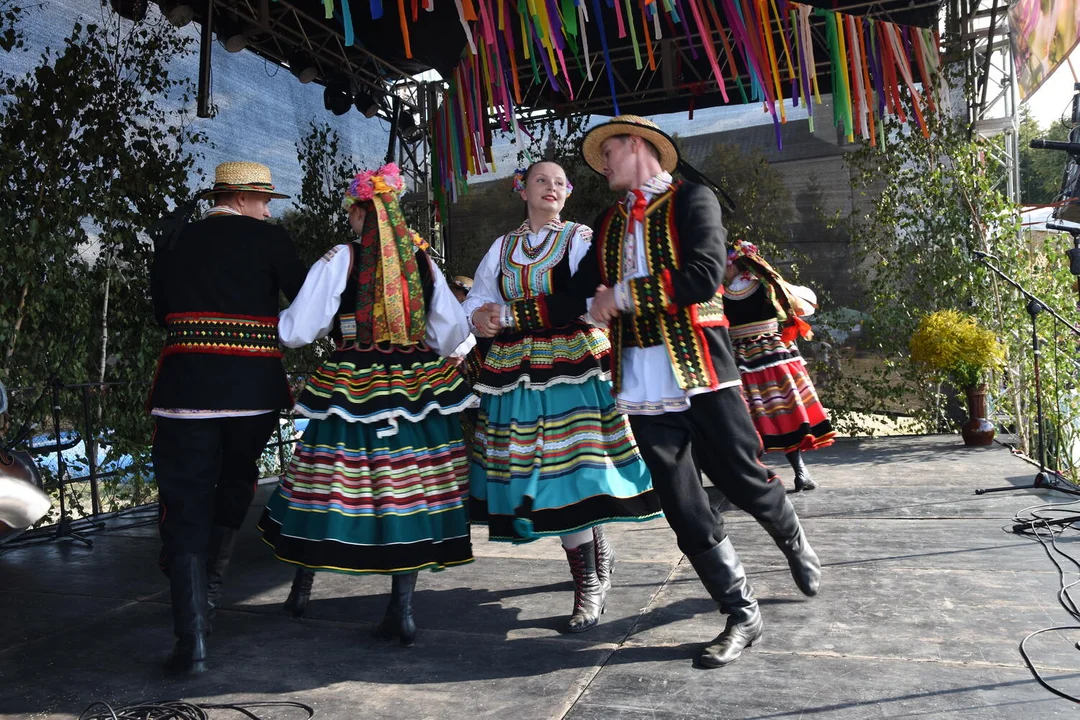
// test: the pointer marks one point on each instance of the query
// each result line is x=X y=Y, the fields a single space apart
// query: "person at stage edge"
x=655 y=271
x=551 y=455
x=377 y=483
x=766 y=315
x=219 y=386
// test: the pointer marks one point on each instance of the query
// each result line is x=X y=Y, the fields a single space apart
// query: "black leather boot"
x=605 y=557
x=187 y=582
x=398 y=622
x=723 y=576
x=803 y=481
x=790 y=538
x=222 y=542
x=589 y=595
x=300 y=593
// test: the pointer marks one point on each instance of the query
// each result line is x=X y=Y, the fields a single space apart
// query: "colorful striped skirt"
x=554 y=461
x=782 y=400
x=355 y=501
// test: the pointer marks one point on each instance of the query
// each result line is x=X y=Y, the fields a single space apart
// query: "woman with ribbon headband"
x=766 y=315
x=552 y=456
x=377 y=482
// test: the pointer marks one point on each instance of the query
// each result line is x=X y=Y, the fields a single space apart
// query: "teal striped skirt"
x=355 y=502
x=554 y=461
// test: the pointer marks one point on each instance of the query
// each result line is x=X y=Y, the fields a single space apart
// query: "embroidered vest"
x=532 y=279
x=681 y=330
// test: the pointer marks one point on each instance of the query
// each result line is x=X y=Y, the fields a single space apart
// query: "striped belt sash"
x=347 y=325
x=754 y=329
x=221 y=334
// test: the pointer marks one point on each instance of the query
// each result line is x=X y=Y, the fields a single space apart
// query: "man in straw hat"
x=219 y=386
x=461 y=286
x=656 y=267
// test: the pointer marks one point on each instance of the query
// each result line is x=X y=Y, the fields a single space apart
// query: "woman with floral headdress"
x=377 y=482
x=766 y=315
x=552 y=456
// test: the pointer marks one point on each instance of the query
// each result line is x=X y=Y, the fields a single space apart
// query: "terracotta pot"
x=977 y=431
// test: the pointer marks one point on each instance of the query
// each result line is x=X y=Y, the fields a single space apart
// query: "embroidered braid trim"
x=652 y=294
x=221 y=334
x=529 y=314
x=659 y=319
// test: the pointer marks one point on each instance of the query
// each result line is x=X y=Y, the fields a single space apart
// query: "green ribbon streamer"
x=569 y=18
x=633 y=34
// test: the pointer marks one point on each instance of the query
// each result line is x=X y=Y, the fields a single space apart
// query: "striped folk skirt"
x=782 y=400
x=554 y=461
x=356 y=499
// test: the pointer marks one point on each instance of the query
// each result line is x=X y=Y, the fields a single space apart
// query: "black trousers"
x=206 y=471
x=717 y=436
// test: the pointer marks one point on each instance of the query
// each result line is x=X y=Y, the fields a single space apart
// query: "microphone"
x=980 y=255
x=1069 y=147
x=1058 y=227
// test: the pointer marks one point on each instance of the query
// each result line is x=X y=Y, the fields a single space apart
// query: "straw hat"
x=463 y=282
x=628 y=125
x=242 y=177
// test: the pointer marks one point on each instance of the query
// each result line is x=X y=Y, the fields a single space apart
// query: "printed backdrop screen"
x=1044 y=32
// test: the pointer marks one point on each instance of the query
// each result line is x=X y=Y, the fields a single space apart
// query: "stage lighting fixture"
x=366 y=104
x=134 y=10
x=231 y=36
x=337 y=97
x=303 y=68
x=407 y=127
x=177 y=12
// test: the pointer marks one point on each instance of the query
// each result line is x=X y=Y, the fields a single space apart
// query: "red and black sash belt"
x=221 y=334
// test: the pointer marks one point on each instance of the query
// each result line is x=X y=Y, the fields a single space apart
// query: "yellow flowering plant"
x=949 y=343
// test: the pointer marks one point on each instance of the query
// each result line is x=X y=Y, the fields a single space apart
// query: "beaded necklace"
x=534 y=252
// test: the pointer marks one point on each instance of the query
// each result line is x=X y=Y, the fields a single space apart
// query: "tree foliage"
x=941 y=203
x=762 y=210
x=94 y=147
x=318 y=223
x=1040 y=170
x=11 y=37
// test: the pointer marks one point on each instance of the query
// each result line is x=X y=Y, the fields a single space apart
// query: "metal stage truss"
x=979 y=37
x=289 y=33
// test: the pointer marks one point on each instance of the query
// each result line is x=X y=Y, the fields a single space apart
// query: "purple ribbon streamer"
x=686 y=27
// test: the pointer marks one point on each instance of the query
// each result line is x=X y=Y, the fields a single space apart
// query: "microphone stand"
x=1044 y=478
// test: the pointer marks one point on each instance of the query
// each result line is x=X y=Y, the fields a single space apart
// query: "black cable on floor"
x=183 y=711
x=1039 y=527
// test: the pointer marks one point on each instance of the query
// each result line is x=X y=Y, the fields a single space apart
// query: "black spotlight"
x=177 y=12
x=366 y=104
x=303 y=67
x=407 y=127
x=134 y=10
x=337 y=97
x=231 y=36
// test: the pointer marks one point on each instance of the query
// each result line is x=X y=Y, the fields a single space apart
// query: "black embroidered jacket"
x=216 y=293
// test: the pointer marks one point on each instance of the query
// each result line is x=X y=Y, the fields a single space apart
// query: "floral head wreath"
x=369 y=183
x=742 y=248
x=519 y=182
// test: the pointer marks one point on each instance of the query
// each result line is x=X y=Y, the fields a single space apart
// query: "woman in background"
x=766 y=314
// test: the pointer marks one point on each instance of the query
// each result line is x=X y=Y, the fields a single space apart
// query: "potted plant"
x=952 y=347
